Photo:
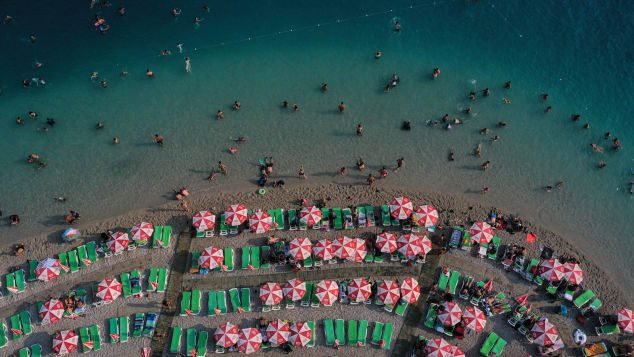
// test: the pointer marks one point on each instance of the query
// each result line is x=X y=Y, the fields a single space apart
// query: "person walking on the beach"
x=222 y=167
x=342 y=107
x=370 y=180
x=188 y=65
x=359 y=129
x=185 y=206
x=302 y=173
x=158 y=139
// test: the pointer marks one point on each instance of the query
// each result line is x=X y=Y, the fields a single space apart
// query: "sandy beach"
x=453 y=211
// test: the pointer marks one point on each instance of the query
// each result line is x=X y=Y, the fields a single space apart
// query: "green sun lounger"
x=150 y=324
x=212 y=303
x=124 y=328
x=595 y=305
x=388 y=330
x=305 y=301
x=311 y=343
x=583 y=298
x=186 y=299
x=95 y=337
x=246 y=257
x=362 y=332
x=25 y=319
x=362 y=218
x=137 y=329
x=157 y=236
x=499 y=346
x=82 y=254
x=166 y=237
x=377 y=333
x=20 y=280
x=352 y=332
x=314 y=300
x=84 y=336
x=496 y=243
x=24 y=352
x=10 y=284
x=369 y=216
x=325 y=218
x=453 y=281
x=136 y=288
x=430 y=320
x=194 y=267
x=292 y=219
x=223 y=225
x=234 y=296
x=443 y=280
x=400 y=308
x=113 y=330
x=16 y=327
x=279 y=218
x=369 y=257
x=340 y=330
x=245 y=298
x=91 y=249
x=329 y=332
x=63 y=260
x=338 y=220
x=73 y=261
x=266 y=257
x=162 y=280
x=228 y=253
x=607 y=330
x=36 y=350
x=255 y=257
x=4 y=340
x=32 y=267
x=175 y=344
x=386 y=218
x=222 y=302
x=527 y=273
x=191 y=342
x=152 y=283
x=308 y=262
x=302 y=226
x=201 y=345
x=195 y=302
x=488 y=344
x=39 y=307
x=271 y=213
x=466 y=240
x=347 y=218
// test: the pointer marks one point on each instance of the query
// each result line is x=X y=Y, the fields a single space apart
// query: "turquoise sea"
x=263 y=52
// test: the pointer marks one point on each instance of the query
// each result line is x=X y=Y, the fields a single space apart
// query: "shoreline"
x=464 y=210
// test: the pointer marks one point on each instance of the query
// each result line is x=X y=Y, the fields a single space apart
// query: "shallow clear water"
x=578 y=52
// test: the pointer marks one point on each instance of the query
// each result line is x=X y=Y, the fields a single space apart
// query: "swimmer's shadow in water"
x=343 y=134
x=471 y=167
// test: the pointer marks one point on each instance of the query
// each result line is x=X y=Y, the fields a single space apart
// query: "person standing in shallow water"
x=188 y=65
x=342 y=107
x=159 y=140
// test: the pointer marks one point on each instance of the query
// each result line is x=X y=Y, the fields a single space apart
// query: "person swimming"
x=436 y=72
x=295 y=107
x=472 y=95
x=576 y=117
x=180 y=47
x=544 y=97
x=236 y=105
x=486 y=92
x=285 y=104
x=220 y=114
x=50 y=121
x=451 y=155
x=176 y=12
x=377 y=55
x=100 y=125
x=239 y=139
x=359 y=129
x=406 y=126
x=360 y=164
x=341 y=107
x=188 y=66
x=149 y=73
x=548 y=109
x=507 y=85
x=33 y=115
x=324 y=87
x=397 y=26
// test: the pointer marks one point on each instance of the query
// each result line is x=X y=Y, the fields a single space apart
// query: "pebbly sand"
x=453 y=210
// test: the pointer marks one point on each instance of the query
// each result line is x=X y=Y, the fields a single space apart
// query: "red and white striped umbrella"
x=294 y=289
x=48 y=269
x=211 y=258
x=474 y=318
x=235 y=215
x=327 y=292
x=359 y=250
x=438 y=347
x=551 y=269
x=277 y=332
x=260 y=222
x=409 y=245
x=343 y=247
x=359 y=290
x=118 y=242
x=51 y=311
x=426 y=244
x=65 y=342
x=109 y=289
x=146 y=351
x=271 y=294
x=401 y=208
x=544 y=333
x=323 y=249
x=203 y=221
x=300 y=248
x=410 y=291
x=573 y=273
x=625 y=319
x=226 y=335
x=310 y=215
x=451 y=315
x=481 y=232
x=249 y=340
x=389 y=292
x=426 y=216
x=386 y=242
x=142 y=231
x=457 y=352
x=300 y=334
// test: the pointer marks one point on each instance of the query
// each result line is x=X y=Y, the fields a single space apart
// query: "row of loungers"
x=342 y=220
x=334 y=332
x=32 y=351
